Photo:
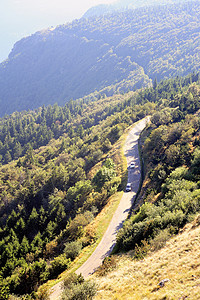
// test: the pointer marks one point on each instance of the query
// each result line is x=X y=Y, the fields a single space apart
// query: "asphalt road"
x=109 y=239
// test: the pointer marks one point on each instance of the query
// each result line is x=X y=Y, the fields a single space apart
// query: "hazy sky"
x=19 y=18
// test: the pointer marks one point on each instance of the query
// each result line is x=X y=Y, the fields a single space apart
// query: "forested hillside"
x=65 y=173
x=110 y=54
x=170 y=191
x=48 y=195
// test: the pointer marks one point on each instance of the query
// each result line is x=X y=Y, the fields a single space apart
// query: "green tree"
x=17 y=150
x=72 y=249
x=24 y=246
x=102 y=176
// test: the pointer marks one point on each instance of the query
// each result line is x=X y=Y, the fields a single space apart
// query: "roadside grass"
x=178 y=262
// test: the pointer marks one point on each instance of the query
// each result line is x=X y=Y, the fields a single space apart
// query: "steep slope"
x=44 y=192
x=115 y=53
x=178 y=262
x=64 y=165
x=171 y=195
x=108 y=240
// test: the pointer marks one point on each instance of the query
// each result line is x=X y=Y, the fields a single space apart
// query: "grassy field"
x=178 y=262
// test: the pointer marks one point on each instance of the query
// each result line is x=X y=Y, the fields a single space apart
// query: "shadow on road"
x=134 y=149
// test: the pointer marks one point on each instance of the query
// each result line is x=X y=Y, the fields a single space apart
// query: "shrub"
x=142 y=250
x=43 y=293
x=107 y=266
x=76 y=227
x=58 y=265
x=72 y=278
x=89 y=236
x=73 y=249
x=76 y=288
x=83 y=291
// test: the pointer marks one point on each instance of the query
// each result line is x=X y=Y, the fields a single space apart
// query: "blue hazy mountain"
x=111 y=54
x=120 y=5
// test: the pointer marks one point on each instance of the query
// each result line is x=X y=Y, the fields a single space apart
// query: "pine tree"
x=24 y=246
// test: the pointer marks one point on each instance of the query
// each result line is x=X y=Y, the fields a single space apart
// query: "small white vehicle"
x=128 y=187
x=132 y=165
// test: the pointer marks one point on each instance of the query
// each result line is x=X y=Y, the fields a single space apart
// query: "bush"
x=43 y=293
x=142 y=250
x=107 y=266
x=76 y=288
x=89 y=236
x=72 y=278
x=73 y=249
x=83 y=291
x=58 y=265
x=76 y=227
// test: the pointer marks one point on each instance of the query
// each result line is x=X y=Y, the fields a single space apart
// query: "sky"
x=19 y=18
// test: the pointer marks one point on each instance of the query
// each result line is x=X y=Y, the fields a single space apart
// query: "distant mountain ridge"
x=102 y=9
x=125 y=50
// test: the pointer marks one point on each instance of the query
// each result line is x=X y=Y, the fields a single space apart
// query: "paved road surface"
x=109 y=239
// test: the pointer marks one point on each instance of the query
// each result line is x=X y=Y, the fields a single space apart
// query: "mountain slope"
x=178 y=262
x=59 y=178
x=115 y=53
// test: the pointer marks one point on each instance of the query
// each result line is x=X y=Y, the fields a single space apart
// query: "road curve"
x=109 y=239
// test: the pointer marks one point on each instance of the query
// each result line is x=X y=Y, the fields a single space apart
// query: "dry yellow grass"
x=178 y=261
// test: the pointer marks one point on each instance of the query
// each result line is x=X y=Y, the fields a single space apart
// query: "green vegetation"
x=171 y=190
x=75 y=287
x=57 y=168
x=50 y=193
x=48 y=196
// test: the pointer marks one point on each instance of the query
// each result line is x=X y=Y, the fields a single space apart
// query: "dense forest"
x=121 y=51
x=47 y=193
x=57 y=174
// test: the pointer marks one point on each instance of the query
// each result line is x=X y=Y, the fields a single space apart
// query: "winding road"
x=109 y=239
